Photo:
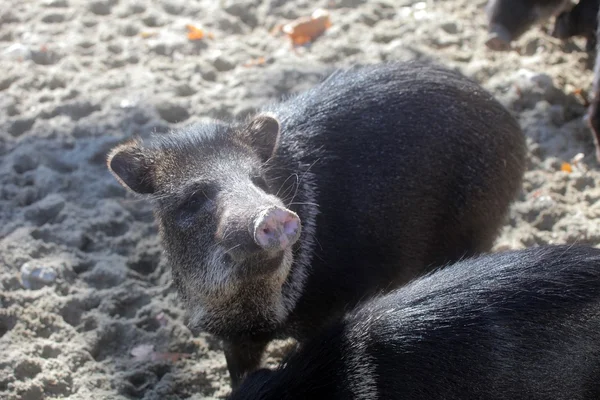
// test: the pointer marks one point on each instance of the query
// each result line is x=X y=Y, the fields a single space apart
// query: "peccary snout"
x=276 y=229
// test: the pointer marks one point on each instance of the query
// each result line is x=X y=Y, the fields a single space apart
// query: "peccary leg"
x=242 y=358
x=594 y=108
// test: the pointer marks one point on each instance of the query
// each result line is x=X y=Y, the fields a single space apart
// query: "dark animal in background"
x=515 y=325
x=594 y=108
x=581 y=20
x=277 y=225
x=509 y=19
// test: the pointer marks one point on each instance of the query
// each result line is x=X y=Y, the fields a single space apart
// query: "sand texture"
x=82 y=278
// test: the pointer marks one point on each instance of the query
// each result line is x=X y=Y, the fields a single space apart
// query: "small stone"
x=45 y=57
x=153 y=21
x=20 y=125
x=53 y=18
x=222 y=64
x=173 y=7
x=129 y=30
x=101 y=7
x=46 y=209
x=184 y=90
x=35 y=276
x=243 y=10
x=532 y=46
x=583 y=182
x=348 y=3
x=76 y=109
x=137 y=8
x=24 y=162
x=56 y=3
x=450 y=27
x=172 y=112
x=17 y=51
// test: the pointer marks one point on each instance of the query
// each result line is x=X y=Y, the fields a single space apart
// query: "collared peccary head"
x=227 y=236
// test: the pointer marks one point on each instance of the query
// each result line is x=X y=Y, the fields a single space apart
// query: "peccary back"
x=518 y=325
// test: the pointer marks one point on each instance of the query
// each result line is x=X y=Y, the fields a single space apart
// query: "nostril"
x=276 y=228
x=290 y=227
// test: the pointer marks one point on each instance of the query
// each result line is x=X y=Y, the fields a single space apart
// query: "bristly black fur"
x=514 y=325
x=392 y=169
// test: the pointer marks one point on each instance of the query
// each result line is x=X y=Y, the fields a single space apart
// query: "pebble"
x=24 y=162
x=17 y=51
x=46 y=209
x=222 y=64
x=34 y=276
x=19 y=126
x=172 y=112
x=53 y=18
x=450 y=27
x=100 y=7
x=56 y=3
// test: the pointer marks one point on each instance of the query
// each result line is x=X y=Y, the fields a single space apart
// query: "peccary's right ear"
x=132 y=167
x=263 y=134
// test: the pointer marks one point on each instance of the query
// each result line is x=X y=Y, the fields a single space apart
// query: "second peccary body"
x=581 y=20
x=594 y=108
x=274 y=226
x=509 y=19
x=515 y=325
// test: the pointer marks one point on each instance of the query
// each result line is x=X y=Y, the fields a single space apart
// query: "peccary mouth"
x=249 y=299
x=259 y=265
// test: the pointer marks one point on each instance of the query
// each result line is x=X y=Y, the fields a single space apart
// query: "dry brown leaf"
x=256 y=61
x=195 y=33
x=306 y=29
x=146 y=35
x=583 y=95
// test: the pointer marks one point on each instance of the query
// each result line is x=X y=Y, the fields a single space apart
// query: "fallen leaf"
x=256 y=61
x=197 y=33
x=147 y=34
x=306 y=29
x=566 y=167
x=583 y=95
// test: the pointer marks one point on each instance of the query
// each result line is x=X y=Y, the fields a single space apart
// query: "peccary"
x=275 y=225
x=509 y=19
x=515 y=325
x=594 y=107
x=581 y=20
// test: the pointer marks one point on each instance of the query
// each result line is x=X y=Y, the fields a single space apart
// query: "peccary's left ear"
x=132 y=167
x=262 y=134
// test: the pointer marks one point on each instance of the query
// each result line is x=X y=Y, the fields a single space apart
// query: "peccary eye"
x=197 y=201
x=260 y=182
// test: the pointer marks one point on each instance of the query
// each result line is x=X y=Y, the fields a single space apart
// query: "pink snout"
x=276 y=229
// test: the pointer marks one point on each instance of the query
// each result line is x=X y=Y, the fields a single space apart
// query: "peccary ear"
x=262 y=133
x=132 y=168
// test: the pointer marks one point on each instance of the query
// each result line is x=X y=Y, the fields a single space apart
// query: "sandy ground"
x=78 y=76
